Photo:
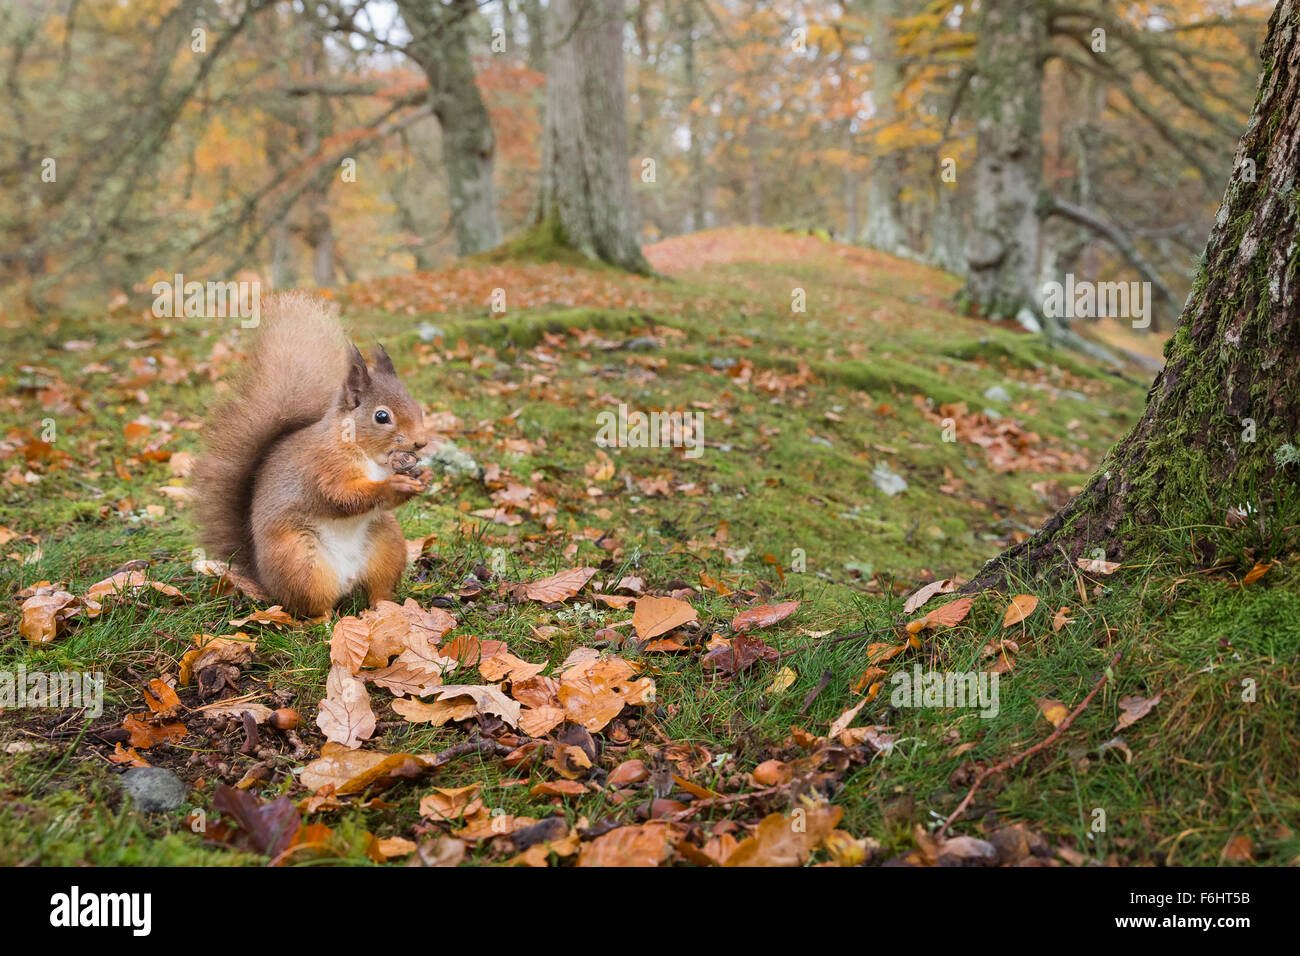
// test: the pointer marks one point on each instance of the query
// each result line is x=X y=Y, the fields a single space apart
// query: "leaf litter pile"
x=561 y=732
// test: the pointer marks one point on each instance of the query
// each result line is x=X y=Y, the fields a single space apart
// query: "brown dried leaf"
x=919 y=597
x=487 y=698
x=1134 y=709
x=1097 y=565
x=763 y=616
x=559 y=587
x=345 y=716
x=787 y=841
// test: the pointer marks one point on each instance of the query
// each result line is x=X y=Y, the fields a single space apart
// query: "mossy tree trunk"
x=586 y=194
x=440 y=45
x=1008 y=105
x=1222 y=420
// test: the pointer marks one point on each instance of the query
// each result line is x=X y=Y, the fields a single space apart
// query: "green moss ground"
x=826 y=396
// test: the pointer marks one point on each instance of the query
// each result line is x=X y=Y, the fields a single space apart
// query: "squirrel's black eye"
x=383 y=417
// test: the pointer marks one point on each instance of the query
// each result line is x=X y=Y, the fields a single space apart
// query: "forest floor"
x=850 y=453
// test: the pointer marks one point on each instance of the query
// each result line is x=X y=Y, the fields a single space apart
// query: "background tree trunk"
x=1008 y=103
x=586 y=194
x=883 y=228
x=440 y=45
x=947 y=229
x=1231 y=361
x=698 y=207
x=535 y=17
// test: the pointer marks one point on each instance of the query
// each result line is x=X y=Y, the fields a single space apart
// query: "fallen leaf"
x=210 y=650
x=146 y=734
x=1257 y=572
x=349 y=643
x=629 y=771
x=161 y=699
x=559 y=587
x=846 y=718
x=1021 y=606
x=659 y=615
x=127 y=584
x=558 y=788
x=1239 y=849
x=593 y=693
x=1134 y=709
x=451 y=803
x=270 y=827
x=787 y=841
x=488 y=699
x=391 y=847
x=646 y=845
x=763 y=616
x=950 y=615
x=920 y=596
x=1053 y=710
x=1097 y=565
x=785 y=677
x=737 y=655
x=43 y=614
x=345 y=716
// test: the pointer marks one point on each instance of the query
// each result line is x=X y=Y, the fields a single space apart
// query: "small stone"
x=429 y=332
x=967 y=851
x=996 y=393
x=153 y=789
x=887 y=480
x=642 y=343
x=1012 y=844
x=722 y=362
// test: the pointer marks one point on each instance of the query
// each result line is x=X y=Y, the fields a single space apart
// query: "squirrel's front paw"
x=404 y=487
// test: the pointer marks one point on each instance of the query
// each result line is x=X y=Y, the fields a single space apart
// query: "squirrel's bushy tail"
x=294 y=369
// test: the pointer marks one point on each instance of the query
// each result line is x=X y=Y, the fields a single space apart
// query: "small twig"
x=812 y=694
x=489 y=747
x=699 y=805
x=1010 y=762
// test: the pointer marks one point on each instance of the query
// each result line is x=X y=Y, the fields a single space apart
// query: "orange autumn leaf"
x=659 y=615
x=950 y=615
x=787 y=841
x=1021 y=606
x=1053 y=710
x=161 y=698
x=1257 y=572
x=145 y=734
x=646 y=845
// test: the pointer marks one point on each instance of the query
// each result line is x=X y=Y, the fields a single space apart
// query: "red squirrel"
x=304 y=465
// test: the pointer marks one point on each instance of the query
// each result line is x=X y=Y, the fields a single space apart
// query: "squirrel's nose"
x=420 y=443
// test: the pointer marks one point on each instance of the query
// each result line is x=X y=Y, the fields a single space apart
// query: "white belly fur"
x=343 y=546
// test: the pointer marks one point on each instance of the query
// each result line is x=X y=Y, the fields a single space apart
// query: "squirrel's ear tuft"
x=380 y=361
x=357 y=382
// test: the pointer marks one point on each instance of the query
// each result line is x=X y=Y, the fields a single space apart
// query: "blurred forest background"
x=319 y=143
